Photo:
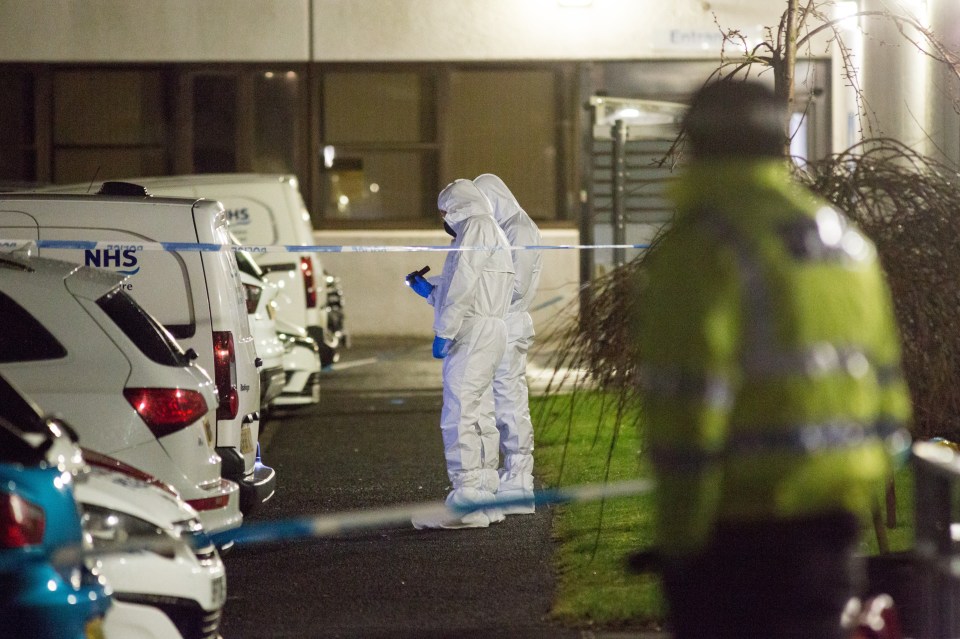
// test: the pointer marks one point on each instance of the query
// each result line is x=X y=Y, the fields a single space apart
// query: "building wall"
x=369 y=30
x=154 y=30
x=529 y=29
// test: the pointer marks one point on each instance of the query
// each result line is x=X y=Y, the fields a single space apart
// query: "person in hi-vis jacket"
x=772 y=388
x=470 y=298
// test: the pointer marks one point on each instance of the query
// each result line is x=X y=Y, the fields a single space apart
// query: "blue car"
x=46 y=590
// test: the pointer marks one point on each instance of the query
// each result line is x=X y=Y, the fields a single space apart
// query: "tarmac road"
x=374 y=441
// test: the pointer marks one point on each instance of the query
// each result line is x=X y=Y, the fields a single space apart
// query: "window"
x=19 y=156
x=393 y=136
x=214 y=124
x=505 y=122
x=23 y=338
x=144 y=331
x=108 y=124
x=379 y=153
x=276 y=116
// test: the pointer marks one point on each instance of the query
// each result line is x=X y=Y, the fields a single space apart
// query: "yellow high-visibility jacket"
x=769 y=356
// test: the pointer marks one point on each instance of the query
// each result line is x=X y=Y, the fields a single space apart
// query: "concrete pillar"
x=943 y=87
x=894 y=76
x=845 y=106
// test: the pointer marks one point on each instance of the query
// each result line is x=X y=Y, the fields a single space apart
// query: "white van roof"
x=215 y=178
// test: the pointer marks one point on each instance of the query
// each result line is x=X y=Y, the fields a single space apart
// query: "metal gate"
x=631 y=163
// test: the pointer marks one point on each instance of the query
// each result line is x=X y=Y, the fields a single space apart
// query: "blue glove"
x=421 y=286
x=441 y=346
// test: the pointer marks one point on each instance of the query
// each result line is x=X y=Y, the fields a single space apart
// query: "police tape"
x=351 y=521
x=115 y=245
x=341 y=523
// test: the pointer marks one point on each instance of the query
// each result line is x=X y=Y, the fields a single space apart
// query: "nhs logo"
x=238 y=217
x=123 y=260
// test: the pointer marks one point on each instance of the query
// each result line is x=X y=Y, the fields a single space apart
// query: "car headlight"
x=113 y=530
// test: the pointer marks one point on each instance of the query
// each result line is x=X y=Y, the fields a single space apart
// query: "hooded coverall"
x=470 y=298
x=510 y=391
x=771 y=382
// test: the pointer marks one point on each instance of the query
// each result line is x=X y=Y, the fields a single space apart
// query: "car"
x=336 y=314
x=195 y=294
x=301 y=356
x=172 y=588
x=261 y=312
x=82 y=348
x=268 y=209
x=46 y=589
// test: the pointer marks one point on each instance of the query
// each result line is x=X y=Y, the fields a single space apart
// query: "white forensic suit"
x=470 y=299
x=510 y=393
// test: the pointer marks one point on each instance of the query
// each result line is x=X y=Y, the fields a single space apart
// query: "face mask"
x=449 y=230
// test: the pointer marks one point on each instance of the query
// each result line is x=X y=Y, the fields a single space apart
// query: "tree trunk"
x=784 y=76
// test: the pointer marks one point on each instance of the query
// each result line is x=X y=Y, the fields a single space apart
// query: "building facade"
x=377 y=104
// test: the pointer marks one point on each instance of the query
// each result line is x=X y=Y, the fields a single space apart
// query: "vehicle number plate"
x=246 y=440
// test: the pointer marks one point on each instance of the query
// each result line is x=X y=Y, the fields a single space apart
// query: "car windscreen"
x=143 y=330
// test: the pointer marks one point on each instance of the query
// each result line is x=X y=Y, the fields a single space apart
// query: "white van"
x=196 y=295
x=268 y=209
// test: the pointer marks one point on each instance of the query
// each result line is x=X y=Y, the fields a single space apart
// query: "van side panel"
x=251 y=219
x=159 y=280
x=15 y=225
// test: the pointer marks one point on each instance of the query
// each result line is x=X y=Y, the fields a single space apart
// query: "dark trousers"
x=771 y=580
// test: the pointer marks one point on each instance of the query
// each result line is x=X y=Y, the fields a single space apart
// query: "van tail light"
x=166 y=410
x=21 y=522
x=309 y=285
x=253 y=297
x=225 y=374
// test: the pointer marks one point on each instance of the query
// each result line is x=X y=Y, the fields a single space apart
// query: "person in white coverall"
x=470 y=298
x=510 y=392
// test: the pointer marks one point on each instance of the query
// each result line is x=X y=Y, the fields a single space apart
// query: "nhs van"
x=196 y=295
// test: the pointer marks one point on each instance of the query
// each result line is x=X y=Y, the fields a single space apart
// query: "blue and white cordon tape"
x=83 y=245
x=334 y=524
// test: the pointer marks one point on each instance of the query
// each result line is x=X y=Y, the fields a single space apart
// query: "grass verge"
x=577 y=444
x=594 y=538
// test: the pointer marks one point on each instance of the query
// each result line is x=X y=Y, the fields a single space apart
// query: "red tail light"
x=210 y=503
x=306 y=268
x=225 y=374
x=21 y=522
x=166 y=410
x=253 y=297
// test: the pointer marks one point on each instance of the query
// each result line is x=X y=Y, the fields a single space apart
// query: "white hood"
x=475 y=282
x=520 y=231
x=502 y=201
x=461 y=199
